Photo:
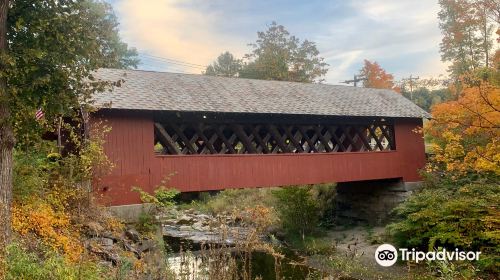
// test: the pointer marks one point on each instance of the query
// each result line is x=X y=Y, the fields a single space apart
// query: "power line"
x=174 y=61
x=149 y=67
x=169 y=64
x=150 y=62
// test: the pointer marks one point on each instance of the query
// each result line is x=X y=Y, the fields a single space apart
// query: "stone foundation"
x=130 y=213
x=370 y=201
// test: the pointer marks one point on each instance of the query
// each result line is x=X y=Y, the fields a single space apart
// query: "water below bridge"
x=263 y=265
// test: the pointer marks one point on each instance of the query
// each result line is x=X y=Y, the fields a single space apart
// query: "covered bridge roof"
x=160 y=91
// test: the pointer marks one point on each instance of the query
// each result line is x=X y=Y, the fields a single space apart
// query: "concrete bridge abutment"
x=371 y=201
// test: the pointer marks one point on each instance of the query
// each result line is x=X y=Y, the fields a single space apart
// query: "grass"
x=312 y=245
x=22 y=264
x=374 y=238
x=232 y=199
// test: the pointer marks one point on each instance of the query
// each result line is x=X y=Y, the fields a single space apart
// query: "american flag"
x=39 y=114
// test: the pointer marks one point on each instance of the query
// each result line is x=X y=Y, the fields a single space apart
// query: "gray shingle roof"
x=144 y=90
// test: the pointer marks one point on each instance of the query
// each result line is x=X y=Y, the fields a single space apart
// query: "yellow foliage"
x=51 y=225
x=59 y=196
x=114 y=224
x=260 y=216
x=139 y=266
x=466 y=132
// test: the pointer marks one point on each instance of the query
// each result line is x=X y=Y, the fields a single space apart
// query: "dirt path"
x=356 y=248
x=360 y=242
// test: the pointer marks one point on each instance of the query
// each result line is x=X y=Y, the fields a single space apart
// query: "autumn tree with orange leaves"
x=466 y=132
x=458 y=207
x=376 y=77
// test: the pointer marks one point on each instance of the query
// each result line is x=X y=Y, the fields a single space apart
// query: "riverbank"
x=350 y=253
x=302 y=224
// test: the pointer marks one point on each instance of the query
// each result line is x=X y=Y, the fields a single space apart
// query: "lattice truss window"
x=219 y=138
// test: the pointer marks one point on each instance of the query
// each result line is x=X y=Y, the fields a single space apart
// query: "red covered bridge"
x=215 y=133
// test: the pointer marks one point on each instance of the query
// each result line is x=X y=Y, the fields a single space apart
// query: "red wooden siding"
x=129 y=147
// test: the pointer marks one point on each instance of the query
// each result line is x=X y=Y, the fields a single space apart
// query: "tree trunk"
x=6 y=137
x=485 y=37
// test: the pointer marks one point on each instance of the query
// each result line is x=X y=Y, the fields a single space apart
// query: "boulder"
x=104 y=252
x=110 y=235
x=130 y=248
x=185 y=228
x=185 y=220
x=169 y=222
x=203 y=217
x=93 y=228
x=147 y=245
x=133 y=235
x=103 y=241
x=201 y=226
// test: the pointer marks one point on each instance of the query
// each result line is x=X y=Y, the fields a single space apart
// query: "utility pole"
x=355 y=80
x=411 y=79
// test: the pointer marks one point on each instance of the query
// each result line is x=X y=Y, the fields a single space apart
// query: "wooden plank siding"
x=129 y=146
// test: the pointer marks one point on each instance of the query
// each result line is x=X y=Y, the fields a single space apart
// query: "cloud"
x=431 y=67
x=400 y=35
x=341 y=64
x=403 y=36
x=172 y=29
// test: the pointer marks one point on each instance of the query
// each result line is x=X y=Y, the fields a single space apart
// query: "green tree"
x=297 y=209
x=467 y=28
x=277 y=55
x=426 y=98
x=452 y=214
x=49 y=50
x=225 y=65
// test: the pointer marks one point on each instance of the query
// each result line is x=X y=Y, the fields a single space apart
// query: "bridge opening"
x=210 y=135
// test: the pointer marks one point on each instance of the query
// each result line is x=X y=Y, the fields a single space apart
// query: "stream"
x=262 y=264
x=185 y=232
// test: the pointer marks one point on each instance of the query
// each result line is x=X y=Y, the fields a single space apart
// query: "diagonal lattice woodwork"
x=231 y=138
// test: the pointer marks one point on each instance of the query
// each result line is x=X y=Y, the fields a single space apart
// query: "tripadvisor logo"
x=387 y=255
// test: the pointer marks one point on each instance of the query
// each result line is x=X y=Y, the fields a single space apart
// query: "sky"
x=403 y=36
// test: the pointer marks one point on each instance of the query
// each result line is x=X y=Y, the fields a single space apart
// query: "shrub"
x=240 y=200
x=231 y=200
x=325 y=194
x=31 y=173
x=52 y=226
x=465 y=217
x=161 y=199
x=298 y=211
x=162 y=196
x=21 y=264
x=50 y=202
x=146 y=222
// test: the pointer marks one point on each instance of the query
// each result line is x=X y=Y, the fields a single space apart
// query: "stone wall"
x=130 y=213
x=370 y=201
